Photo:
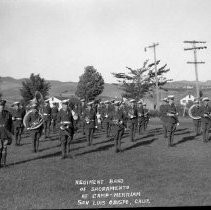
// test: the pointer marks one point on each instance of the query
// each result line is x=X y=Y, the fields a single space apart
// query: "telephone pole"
x=195 y=62
x=154 y=45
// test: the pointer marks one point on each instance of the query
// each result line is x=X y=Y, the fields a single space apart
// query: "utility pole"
x=154 y=45
x=194 y=48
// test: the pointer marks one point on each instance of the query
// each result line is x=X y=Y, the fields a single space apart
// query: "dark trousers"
x=205 y=131
x=54 y=125
x=89 y=135
x=65 y=143
x=3 y=151
x=17 y=133
x=140 y=126
x=46 y=125
x=197 y=126
x=35 y=134
x=171 y=130
x=108 y=129
x=117 y=138
x=132 y=130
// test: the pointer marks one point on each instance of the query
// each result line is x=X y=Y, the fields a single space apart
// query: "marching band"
x=114 y=116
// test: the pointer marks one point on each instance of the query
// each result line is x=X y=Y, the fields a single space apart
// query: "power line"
x=195 y=62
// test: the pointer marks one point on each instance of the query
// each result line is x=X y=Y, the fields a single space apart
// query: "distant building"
x=184 y=101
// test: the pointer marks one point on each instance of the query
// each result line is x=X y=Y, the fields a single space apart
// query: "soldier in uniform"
x=37 y=132
x=133 y=119
x=6 y=135
x=17 y=117
x=47 y=119
x=172 y=120
x=108 y=115
x=146 y=116
x=81 y=113
x=90 y=120
x=197 y=122
x=118 y=126
x=66 y=124
x=140 y=117
x=205 y=114
x=54 y=113
x=163 y=115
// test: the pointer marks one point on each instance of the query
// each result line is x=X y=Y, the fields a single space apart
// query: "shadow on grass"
x=177 y=134
x=144 y=137
x=142 y=143
x=99 y=149
x=185 y=139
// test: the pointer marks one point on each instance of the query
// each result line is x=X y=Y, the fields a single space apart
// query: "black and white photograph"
x=105 y=104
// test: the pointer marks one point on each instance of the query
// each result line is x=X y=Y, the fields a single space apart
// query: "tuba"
x=191 y=114
x=40 y=119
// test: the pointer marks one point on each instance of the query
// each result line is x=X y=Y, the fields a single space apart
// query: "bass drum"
x=33 y=125
x=192 y=115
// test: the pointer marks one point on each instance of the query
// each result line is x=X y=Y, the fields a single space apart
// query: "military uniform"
x=146 y=117
x=33 y=116
x=164 y=117
x=197 y=122
x=81 y=112
x=66 y=131
x=6 y=135
x=140 y=119
x=172 y=122
x=47 y=120
x=108 y=119
x=133 y=120
x=17 y=117
x=118 y=126
x=54 y=113
x=205 y=113
x=90 y=120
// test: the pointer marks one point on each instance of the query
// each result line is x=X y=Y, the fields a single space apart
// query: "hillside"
x=9 y=87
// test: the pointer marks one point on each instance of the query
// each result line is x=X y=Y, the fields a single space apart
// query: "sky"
x=57 y=39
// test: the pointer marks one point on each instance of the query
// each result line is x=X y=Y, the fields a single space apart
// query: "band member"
x=118 y=126
x=6 y=135
x=17 y=117
x=172 y=120
x=81 y=113
x=205 y=114
x=163 y=115
x=108 y=117
x=54 y=113
x=90 y=119
x=133 y=118
x=101 y=111
x=140 y=117
x=197 y=122
x=66 y=124
x=36 y=133
x=146 y=116
x=47 y=119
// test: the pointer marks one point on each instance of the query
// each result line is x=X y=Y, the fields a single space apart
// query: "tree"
x=90 y=85
x=33 y=84
x=138 y=82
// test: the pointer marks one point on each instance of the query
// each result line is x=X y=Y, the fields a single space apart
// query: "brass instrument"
x=39 y=121
x=191 y=114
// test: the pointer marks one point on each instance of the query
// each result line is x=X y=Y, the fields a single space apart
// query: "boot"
x=4 y=157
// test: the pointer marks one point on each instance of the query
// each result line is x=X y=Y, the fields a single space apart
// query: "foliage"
x=90 y=85
x=33 y=84
x=140 y=81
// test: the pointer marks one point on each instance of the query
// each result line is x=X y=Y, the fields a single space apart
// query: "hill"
x=9 y=87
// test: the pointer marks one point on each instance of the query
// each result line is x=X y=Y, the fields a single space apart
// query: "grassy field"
x=177 y=176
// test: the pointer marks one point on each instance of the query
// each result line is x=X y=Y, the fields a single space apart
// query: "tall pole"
x=154 y=45
x=196 y=71
x=194 y=48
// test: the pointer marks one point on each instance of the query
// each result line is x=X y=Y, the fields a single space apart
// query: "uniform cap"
x=82 y=100
x=2 y=102
x=65 y=101
x=132 y=100
x=205 y=99
x=107 y=102
x=165 y=99
x=117 y=103
x=112 y=101
x=171 y=97
x=90 y=103
x=16 y=103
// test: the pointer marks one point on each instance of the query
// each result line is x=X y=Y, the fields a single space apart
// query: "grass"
x=178 y=176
